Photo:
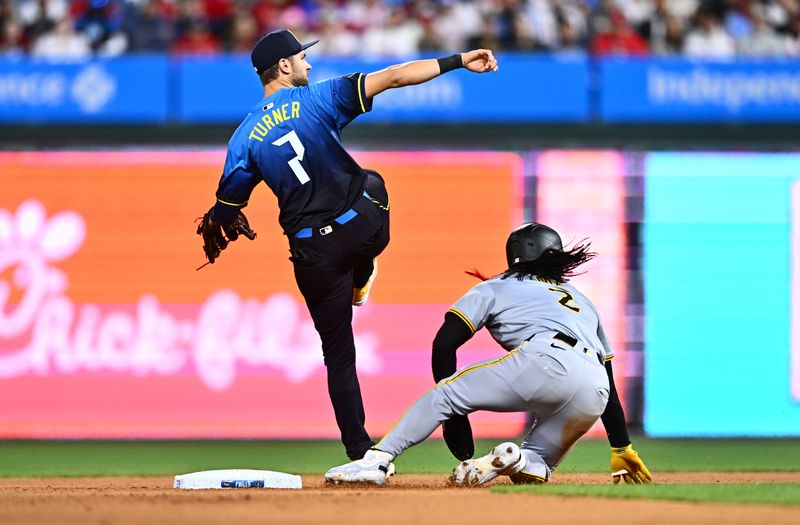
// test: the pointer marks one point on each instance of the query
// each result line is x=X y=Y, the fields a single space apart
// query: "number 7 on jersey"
x=299 y=150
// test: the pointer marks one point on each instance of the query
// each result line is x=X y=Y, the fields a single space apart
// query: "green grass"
x=773 y=493
x=156 y=458
x=694 y=455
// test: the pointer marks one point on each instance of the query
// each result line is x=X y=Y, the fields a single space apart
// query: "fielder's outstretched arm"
x=419 y=71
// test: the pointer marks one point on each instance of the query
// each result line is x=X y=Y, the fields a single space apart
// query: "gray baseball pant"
x=566 y=389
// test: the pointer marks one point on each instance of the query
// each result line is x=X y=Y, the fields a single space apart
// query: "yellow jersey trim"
x=232 y=203
x=609 y=358
x=445 y=382
x=478 y=367
x=463 y=318
x=360 y=99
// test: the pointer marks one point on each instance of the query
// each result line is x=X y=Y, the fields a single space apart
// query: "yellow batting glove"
x=627 y=465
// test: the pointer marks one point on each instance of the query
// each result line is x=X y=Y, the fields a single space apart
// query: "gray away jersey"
x=514 y=310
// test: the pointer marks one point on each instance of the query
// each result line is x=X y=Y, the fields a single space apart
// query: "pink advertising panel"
x=107 y=330
x=582 y=195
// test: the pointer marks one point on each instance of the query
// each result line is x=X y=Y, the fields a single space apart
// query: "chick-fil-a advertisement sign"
x=107 y=329
x=142 y=339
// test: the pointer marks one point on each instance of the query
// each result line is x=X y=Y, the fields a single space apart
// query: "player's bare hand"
x=479 y=60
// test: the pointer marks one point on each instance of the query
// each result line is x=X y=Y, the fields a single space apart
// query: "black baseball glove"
x=217 y=236
x=458 y=436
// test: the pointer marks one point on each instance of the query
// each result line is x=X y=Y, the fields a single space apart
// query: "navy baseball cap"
x=274 y=46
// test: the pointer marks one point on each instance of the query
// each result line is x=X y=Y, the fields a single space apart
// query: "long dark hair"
x=552 y=265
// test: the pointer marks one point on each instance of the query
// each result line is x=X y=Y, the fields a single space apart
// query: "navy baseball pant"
x=327 y=268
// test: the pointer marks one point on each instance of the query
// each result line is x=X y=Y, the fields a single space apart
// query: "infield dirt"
x=414 y=499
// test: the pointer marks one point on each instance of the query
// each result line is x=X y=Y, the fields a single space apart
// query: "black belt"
x=571 y=341
x=564 y=338
x=342 y=219
x=325 y=230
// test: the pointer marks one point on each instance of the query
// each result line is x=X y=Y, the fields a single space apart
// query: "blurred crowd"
x=398 y=28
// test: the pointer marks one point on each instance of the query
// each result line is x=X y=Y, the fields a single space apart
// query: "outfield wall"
x=722 y=244
x=107 y=330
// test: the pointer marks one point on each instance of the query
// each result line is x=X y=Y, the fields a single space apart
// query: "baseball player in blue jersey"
x=558 y=367
x=334 y=213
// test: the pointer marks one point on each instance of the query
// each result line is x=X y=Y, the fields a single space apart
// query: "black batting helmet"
x=528 y=242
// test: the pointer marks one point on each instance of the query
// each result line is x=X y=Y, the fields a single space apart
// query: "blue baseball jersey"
x=292 y=141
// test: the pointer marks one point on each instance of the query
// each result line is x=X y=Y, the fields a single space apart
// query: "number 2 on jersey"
x=299 y=150
x=565 y=300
